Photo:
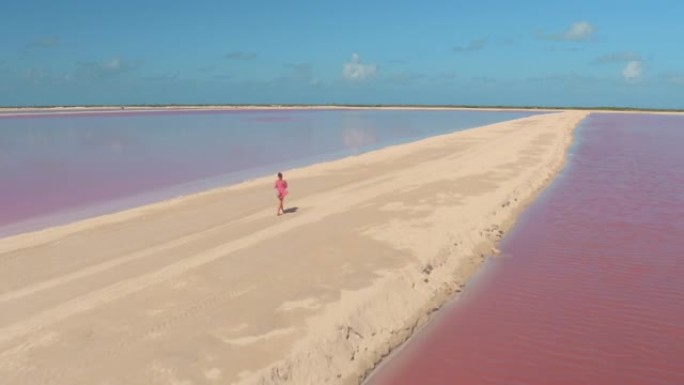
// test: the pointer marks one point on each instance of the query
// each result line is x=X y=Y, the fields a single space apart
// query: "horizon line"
x=275 y=105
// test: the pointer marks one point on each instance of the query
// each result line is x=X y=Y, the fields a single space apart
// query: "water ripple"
x=593 y=292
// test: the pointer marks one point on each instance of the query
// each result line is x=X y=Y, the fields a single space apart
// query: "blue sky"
x=580 y=53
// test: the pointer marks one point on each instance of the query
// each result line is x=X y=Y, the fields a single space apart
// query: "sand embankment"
x=214 y=288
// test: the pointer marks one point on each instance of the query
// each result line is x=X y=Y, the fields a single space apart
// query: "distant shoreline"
x=24 y=111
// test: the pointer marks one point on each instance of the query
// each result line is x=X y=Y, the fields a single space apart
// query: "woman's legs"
x=280 y=206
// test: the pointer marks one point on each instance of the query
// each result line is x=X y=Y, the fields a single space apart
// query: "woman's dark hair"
x=280 y=175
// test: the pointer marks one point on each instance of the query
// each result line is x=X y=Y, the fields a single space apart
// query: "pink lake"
x=56 y=167
x=589 y=288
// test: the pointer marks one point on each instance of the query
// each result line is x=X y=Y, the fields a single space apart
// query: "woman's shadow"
x=290 y=210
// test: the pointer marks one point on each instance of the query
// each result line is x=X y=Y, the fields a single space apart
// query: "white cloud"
x=40 y=76
x=241 y=55
x=35 y=75
x=448 y=75
x=404 y=78
x=356 y=71
x=300 y=73
x=112 y=65
x=474 y=45
x=577 y=31
x=101 y=70
x=46 y=42
x=632 y=71
x=617 y=57
x=673 y=77
x=82 y=71
x=222 y=76
x=163 y=77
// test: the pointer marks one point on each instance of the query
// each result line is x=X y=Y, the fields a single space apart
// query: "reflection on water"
x=354 y=138
x=60 y=163
x=357 y=132
x=591 y=290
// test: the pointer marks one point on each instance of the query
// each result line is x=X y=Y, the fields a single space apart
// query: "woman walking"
x=281 y=186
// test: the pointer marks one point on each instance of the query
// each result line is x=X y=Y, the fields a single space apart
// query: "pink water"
x=590 y=285
x=57 y=167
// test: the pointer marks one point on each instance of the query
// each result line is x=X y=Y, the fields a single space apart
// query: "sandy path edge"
x=371 y=323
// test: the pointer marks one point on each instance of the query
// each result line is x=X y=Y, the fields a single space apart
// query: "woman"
x=281 y=186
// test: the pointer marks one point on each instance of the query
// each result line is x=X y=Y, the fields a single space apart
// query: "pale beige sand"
x=215 y=289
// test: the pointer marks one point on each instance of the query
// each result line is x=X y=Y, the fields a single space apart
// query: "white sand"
x=215 y=289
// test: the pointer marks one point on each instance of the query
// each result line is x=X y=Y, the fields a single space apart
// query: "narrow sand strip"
x=215 y=289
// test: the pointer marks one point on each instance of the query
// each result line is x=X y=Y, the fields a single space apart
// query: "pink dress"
x=281 y=186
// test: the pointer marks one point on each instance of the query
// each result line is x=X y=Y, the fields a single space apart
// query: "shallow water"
x=56 y=167
x=589 y=288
